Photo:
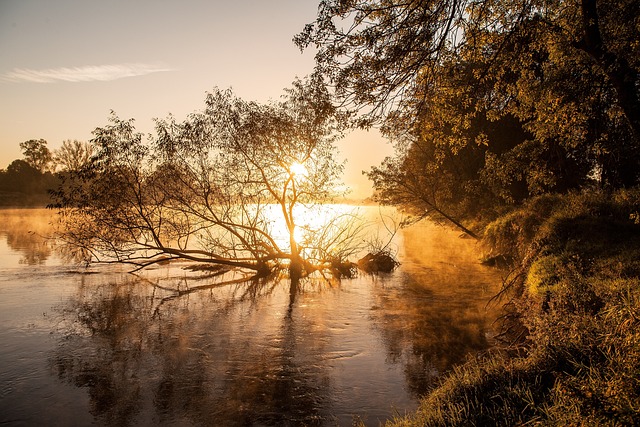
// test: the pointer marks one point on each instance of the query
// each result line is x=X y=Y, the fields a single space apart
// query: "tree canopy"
x=213 y=187
x=72 y=155
x=36 y=154
x=489 y=102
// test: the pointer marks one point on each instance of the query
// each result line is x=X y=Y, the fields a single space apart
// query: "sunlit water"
x=100 y=346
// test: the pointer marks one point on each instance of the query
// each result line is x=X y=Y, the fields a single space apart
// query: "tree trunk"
x=296 y=267
x=452 y=220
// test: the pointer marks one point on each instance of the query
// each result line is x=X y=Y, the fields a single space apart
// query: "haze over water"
x=99 y=345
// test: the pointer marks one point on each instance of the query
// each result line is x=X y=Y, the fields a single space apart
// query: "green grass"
x=578 y=297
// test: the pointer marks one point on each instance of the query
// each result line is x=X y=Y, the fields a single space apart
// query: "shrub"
x=579 y=257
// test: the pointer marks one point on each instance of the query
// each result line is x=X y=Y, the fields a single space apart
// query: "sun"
x=298 y=169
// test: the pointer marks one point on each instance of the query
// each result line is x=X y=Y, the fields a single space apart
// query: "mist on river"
x=96 y=344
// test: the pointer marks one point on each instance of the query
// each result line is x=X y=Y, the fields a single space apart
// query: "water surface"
x=97 y=345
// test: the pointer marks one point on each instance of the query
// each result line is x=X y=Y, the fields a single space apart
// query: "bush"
x=579 y=299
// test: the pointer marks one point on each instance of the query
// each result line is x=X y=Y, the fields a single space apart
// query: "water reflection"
x=438 y=315
x=24 y=232
x=221 y=357
x=427 y=337
x=174 y=346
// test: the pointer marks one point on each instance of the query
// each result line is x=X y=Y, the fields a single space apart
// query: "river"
x=100 y=346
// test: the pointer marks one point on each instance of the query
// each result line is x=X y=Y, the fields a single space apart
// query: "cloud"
x=89 y=73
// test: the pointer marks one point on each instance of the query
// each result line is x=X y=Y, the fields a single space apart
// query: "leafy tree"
x=72 y=155
x=212 y=188
x=381 y=53
x=22 y=177
x=37 y=154
x=489 y=102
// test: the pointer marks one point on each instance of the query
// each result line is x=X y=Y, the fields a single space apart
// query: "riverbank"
x=573 y=300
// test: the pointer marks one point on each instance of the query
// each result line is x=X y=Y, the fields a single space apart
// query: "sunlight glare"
x=314 y=225
x=298 y=169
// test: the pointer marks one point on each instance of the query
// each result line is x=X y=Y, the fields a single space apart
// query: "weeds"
x=575 y=289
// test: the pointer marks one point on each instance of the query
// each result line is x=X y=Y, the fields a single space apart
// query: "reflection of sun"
x=298 y=169
x=313 y=224
x=299 y=235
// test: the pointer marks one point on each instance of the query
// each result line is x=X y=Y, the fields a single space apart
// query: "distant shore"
x=10 y=200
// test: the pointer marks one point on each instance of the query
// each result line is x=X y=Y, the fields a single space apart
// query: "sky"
x=65 y=64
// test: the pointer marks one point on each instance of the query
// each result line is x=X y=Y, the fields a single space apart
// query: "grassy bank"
x=574 y=296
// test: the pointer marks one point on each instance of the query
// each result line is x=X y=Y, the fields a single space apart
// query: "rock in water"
x=381 y=262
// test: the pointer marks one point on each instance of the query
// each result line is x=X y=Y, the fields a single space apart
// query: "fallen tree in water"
x=240 y=185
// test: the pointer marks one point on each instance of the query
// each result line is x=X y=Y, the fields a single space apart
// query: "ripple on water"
x=98 y=346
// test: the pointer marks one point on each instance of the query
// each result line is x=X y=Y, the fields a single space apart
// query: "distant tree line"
x=27 y=181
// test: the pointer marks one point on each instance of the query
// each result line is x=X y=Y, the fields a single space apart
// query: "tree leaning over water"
x=214 y=187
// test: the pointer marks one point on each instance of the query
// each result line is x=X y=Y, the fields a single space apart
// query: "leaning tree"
x=215 y=188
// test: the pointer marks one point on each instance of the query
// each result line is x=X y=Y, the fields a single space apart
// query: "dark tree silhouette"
x=37 y=154
x=489 y=102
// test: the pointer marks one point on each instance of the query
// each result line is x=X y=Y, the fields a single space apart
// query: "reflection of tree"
x=428 y=337
x=103 y=351
x=191 y=359
x=436 y=317
x=26 y=232
x=251 y=384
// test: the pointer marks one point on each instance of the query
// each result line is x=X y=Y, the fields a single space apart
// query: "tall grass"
x=577 y=294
